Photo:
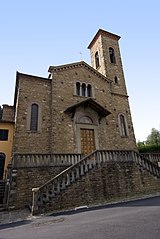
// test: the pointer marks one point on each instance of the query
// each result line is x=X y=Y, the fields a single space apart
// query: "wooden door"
x=87 y=141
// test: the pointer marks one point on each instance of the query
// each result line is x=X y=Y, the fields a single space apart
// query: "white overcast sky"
x=35 y=34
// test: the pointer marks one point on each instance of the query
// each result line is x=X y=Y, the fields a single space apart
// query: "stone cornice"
x=120 y=95
x=31 y=76
x=78 y=65
x=104 y=33
x=7 y=121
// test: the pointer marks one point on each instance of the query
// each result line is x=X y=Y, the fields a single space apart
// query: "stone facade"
x=78 y=109
x=32 y=89
x=59 y=131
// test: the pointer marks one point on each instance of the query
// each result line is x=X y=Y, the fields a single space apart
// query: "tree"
x=153 y=138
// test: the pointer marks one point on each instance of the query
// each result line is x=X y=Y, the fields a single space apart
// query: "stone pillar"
x=34 y=209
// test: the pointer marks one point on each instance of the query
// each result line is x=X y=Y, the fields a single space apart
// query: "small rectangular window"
x=4 y=134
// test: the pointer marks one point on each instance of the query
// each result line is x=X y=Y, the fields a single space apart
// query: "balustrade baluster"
x=73 y=175
x=98 y=158
x=58 y=186
x=100 y=155
x=90 y=164
x=104 y=156
x=82 y=169
x=77 y=172
x=68 y=179
x=63 y=183
x=86 y=165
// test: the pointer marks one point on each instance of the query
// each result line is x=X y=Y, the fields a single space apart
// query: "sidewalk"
x=15 y=216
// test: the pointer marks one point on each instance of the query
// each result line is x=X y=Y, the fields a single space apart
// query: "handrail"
x=61 y=181
x=153 y=157
x=68 y=169
x=53 y=187
x=147 y=164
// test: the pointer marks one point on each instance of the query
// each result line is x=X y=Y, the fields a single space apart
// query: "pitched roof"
x=78 y=65
x=105 y=33
x=23 y=75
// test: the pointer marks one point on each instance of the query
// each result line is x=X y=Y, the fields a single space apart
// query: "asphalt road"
x=133 y=220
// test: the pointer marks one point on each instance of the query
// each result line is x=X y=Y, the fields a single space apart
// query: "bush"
x=149 y=148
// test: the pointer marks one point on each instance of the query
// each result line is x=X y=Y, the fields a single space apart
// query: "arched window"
x=78 y=87
x=116 y=80
x=89 y=90
x=34 y=117
x=83 y=89
x=85 y=120
x=2 y=163
x=112 y=55
x=97 y=59
x=123 y=125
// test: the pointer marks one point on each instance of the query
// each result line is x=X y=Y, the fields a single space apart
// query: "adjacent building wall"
x=6 y=146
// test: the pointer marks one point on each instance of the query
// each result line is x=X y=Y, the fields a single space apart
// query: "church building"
x=74 y=141
x=79 y=108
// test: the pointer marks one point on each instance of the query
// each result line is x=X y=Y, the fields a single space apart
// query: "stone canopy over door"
x=86 y=116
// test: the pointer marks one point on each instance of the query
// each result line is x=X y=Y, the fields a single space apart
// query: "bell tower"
x=106 y=59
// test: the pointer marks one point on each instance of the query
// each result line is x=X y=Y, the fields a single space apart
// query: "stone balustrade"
x=153 y=157
x=39 y=160
x=56 y=185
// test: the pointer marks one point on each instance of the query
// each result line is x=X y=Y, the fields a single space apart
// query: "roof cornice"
x=31 y=76
x=78 y=65
x=104 y=33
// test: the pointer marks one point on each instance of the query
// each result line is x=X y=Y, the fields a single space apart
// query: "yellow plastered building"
x=6 y=139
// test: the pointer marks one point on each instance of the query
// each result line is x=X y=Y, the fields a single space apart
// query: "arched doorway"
x=2 y=163
x=87 y=136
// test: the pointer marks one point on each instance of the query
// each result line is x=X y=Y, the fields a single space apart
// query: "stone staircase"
x=50 y=190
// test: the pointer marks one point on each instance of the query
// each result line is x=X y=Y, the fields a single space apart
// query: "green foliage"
x=152 y=144
x=154 y=137
x=149 y=148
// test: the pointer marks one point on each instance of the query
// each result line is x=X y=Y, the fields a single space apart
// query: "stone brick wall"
x=33 y=90
x=109 y=182
x=8 y=113
x=64 y=127
x=24 y=179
